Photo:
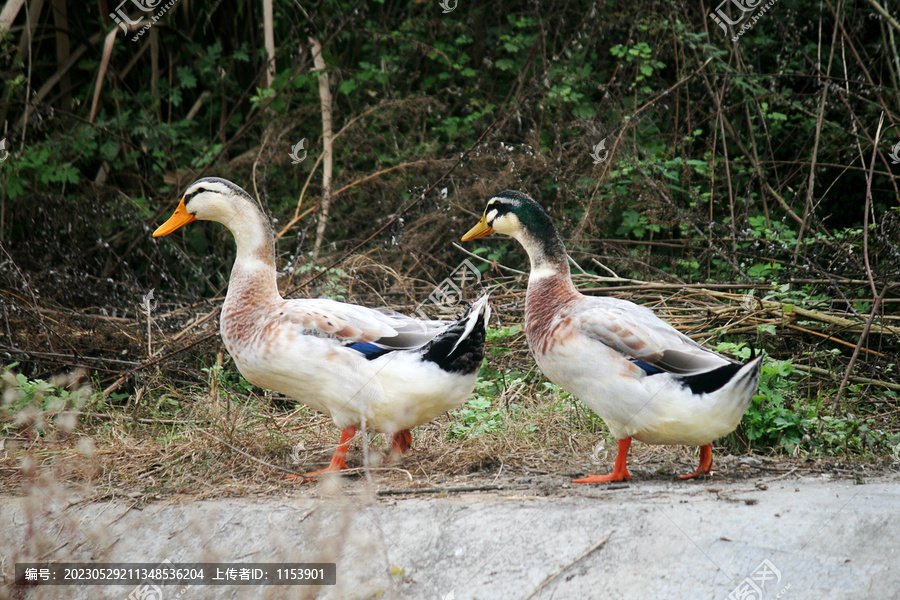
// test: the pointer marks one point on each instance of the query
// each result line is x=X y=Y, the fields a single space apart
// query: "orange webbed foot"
x=338 y=462
x=400 y=443
x=620 y=471
x=705 y=463
x=626 y=476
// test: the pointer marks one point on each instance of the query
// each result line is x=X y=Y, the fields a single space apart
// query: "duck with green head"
x=644 y=378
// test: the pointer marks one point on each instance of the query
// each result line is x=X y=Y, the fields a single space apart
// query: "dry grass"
x=177 y=425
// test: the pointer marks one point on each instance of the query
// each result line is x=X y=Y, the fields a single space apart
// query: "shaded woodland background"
x=743 y=194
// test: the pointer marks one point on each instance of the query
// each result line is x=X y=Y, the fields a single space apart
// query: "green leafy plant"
x=636 y=224
x=28 y=401
x=768 y=423
x=476 y=417
x=330 y=284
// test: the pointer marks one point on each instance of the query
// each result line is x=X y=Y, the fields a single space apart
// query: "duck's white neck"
x=546 y=259
x=254 y=265
x=252 y=236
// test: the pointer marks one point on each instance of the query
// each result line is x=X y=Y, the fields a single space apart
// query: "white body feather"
x=588 y=346
x=300 y=348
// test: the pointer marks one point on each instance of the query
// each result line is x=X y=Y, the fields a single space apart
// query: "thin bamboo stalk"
x=327 y=143
x=9 y=13
x=269 y=35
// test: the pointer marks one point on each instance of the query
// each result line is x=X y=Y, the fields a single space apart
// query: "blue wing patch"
x=369 y=350
x=647 y=367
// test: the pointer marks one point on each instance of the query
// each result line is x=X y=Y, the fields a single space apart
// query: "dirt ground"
x=792 y=529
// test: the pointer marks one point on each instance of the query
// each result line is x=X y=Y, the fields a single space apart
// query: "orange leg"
x=337 y=461
x=705 y=463
x=401 y=442
x=620 y=470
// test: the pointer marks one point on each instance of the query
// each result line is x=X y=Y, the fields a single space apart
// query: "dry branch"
x=269 y=35
x=327 y=143
x=580 y=557
x=105 y=58
x=9 y=13
x=830 y=375
x=438 y=490
x=884 y=13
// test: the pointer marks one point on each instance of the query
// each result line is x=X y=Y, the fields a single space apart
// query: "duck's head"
x=517 y=215
x=510 y=213
x=210 y=199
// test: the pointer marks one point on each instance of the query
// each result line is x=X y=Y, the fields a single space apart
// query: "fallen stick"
x=854 y=379
x=831 y=338
x=581 y=557
x=115 y=417
x=438 y=490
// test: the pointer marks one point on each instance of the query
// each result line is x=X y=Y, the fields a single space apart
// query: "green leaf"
x=186 y=79
x=479 y=403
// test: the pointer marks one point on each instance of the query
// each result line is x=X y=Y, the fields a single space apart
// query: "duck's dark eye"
x=187 y=197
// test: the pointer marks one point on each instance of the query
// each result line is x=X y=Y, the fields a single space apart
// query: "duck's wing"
x=641 y=336
x=355 y=324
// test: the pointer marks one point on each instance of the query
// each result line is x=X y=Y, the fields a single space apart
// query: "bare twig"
x=877 y=303
x=855 y=379
x=34 y=301
x=884 y=13
x=496 y=124
x=124 y=376
x=862 y=338
x=250 y=456
x=721 y=118
x=297 y=216
x=868 y=204
x=439 y=490
x=607 y=165
x=581 y=557
x=820 y=117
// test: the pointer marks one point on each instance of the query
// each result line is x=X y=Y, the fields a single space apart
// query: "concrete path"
x=789 y=538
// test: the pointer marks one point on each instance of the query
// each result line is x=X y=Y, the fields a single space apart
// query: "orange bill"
x=480 y=230
x=180 y=217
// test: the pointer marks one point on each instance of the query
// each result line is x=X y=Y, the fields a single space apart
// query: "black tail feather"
x=457 y=355
x=706 y=383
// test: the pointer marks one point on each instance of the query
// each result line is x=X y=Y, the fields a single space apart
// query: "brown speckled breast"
x=247 y=314
x=548 y=303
